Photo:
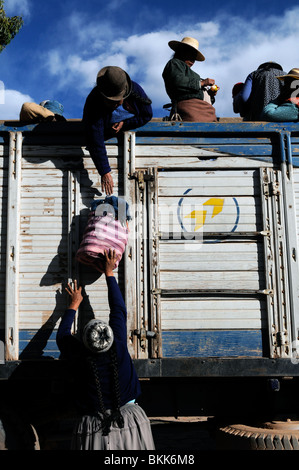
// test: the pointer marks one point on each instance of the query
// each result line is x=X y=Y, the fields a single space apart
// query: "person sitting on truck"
x=286 y=107
x=110 y=417
x=47 y=110
x=260 y=87
x=185 y=87
x=114 y=88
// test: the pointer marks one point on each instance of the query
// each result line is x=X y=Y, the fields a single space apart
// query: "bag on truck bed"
x=107 y=228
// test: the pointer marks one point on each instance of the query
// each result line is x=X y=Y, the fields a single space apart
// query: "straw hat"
x=190 y=42
x=114 y=83
x=294 y=73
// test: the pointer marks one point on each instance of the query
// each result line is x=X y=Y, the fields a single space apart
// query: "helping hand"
x=107 y=183
x=110 y=262
x=76 y=295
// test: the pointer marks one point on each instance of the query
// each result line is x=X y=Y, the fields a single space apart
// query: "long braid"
x=117 y=416
x=106 y=419
x=103 y=415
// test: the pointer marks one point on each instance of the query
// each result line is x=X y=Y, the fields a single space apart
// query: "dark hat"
x=97 y=336
x=114 y=83
x=270 y=65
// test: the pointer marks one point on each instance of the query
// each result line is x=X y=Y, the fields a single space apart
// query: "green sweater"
x=181 y=82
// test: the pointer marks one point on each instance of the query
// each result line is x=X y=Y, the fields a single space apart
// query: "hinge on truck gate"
x=271 y=188
x=143 y=335
x=141 y=177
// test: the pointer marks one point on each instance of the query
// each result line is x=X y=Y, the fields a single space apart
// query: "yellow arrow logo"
x=200 y=216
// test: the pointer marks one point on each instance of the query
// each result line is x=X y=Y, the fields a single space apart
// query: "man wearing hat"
x=114 y=88
x=110 y=417
x=185 y=87
x=286 y=107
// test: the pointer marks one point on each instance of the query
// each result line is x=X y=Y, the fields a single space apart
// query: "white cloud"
x=233 y=47
x=11 y=103
x=17 y=7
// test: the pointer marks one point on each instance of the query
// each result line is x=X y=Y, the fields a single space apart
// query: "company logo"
x=216 y=214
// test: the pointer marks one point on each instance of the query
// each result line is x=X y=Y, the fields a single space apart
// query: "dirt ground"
x=189 y=434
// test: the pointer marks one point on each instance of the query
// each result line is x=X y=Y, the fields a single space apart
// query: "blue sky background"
x=64 y=43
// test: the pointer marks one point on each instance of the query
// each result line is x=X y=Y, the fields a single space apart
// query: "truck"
x=209 y=276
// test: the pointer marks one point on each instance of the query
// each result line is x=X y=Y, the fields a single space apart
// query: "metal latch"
x=143 y=335
x=141 y=177
x=271 y=188
x=274 y=189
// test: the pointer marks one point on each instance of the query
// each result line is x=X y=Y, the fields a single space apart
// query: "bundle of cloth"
x=107 y=228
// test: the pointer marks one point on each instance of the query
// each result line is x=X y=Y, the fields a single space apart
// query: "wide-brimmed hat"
x=190 y=42
x=114 y=83
x=97 y=336
x=293 y=73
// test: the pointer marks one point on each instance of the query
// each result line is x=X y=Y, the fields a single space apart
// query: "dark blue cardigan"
x=98 y=128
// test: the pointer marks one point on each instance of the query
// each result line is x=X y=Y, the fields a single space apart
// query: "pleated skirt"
x=135 y=435
x=195 y=110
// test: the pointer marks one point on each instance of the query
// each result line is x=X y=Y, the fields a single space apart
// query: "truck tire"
x=267 y=437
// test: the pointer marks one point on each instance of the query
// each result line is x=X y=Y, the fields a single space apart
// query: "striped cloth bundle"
x=103 y=232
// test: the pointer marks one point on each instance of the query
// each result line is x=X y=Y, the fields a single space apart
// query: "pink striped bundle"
x=101 y=234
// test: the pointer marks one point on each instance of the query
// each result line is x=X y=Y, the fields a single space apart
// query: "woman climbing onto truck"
x=110 y=417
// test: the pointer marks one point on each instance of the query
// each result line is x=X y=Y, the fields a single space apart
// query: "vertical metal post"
x=288 y=187
x=73 y=182
x=12 y=247
x=130 y=271
x=73 y=221
x=154 y=266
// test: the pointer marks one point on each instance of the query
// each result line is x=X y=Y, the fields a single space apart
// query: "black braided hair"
x=105 y=418
x=117 y=416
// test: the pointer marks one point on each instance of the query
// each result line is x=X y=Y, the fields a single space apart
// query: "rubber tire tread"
x=241 y=437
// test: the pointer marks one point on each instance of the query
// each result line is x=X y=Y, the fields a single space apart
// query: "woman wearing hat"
x=110 y=418
x=114 y=88
x=260 y=87
x=185 y=87
x=286 y=107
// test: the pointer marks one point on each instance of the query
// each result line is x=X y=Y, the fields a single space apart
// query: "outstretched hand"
x=75 y=294
x=107 y=184
x=110 y=262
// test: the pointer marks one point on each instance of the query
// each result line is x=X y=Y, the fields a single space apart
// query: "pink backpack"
x=101 y=234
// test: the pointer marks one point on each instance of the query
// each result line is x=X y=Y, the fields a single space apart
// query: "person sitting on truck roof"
x=47 y=110
x=114 y=88
x=110 y=417
x=286 y=107
x=185 y=87
x=260 y=87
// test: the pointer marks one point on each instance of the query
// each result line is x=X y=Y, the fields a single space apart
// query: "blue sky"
x=64 y=43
